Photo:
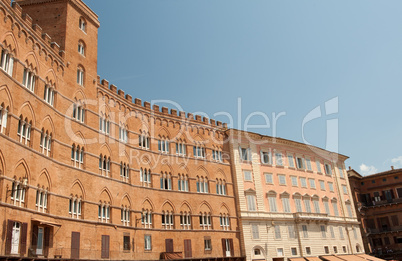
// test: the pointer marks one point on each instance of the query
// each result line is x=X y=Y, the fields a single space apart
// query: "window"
x=245 y=154
x=81 y=48
x=331 y=186
x=3 y=117
x=78 y=112
x=318 y=164
x=335 y=206
x=126 y=242
x=344 y=249
x=104 y=165
x=282 y=179
x=146 y=218
x=277 y=231
x=220 y=187
x=291 y=230
x=80 y=76
x=349 y=208
x=308 y=250
x=182 y=182
x=251 y=203
x=303 y=182
x=41 y=200
x=305 y=231
x=344 y=189
x=255 y=231
x=331 y=229
x=312 y=183
x=198 y=151
x=7 y=62
x=125 y=216
x=18 y=193
x=294 y=181
x=123 y=133
x=308 y=163
x=205 y=221
x=75 y=207
x=104 y=212
x=48 y=96
x=266 y=157
x=326 y=250
x=300 y=163
x=335 y=250
x=354 y=232
x=247 y=175
x=185 y=220
x=341 y=233
x=272 y=203
x=144 y=140
x=298 y=205
x=104 y=123
x=322 y=184
x=29 y=79
x=166 y=181
x=290 y=161
x=279 y=251
x=316 y=205
x=77 y=156
x=307 y=205
x=24 y=130
x=328 y=169
x=323 y=231
x=224 y=221
x=45 y=142
x=326 y=206
x=202 y=184
x=163 y=145
x=181 y=148
x=294 y=251
x=217 y=155
x=82 y=25
x=278 y=158
x=257 y=251
x=167 y=219
x=148 y=242
x=207 y=243
x=286 y=204
x=124 y=171
x=341 y=172
x=268 y=178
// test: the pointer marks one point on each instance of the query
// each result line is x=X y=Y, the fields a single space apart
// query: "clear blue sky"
x=277 y=56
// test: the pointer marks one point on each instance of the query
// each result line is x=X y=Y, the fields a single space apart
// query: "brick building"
x=294 y=200
x=378 y=200
x=85 y=172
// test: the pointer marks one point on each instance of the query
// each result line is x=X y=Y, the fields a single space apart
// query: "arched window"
x=80 y=75
x=145 y=177
x=217 y=154
x=49 y=94
x=81 y=48
x=29 y=80
x=224 y=221
x=182 y=182
x=123 y=133
x=78 y=111
x=104 y=123
x=77 y=156
x=198 y=151
x=3 y=118
x=7 y=62
x=146 y=218
x=104 y=212
x=45 y=142
x=41 y=199
x=144 y=140
x=18 y=192
x=82 y=24
x=166 y=181
x=202 y=184
x=167 y=219
x=163 y=144
x=180 y=148
x=205 y=221
x=125 y=216
x=104 y=165
x=75 y=207
x=24 y=130
x=185 y=220
x=124 y=171
x=220 y=187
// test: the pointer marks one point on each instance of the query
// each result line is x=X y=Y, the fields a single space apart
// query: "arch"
x=257 y=257
x=79 y=139
x=147 y=204
x=297 y=195
x=5 y=94
x=48 y=124
x=105 y=147
x=105 y=195
x=204 y=170
x=284 y=194
x=44 y=179
x=186 y=207
x=166 y=166
x=224 y=208
x=222 y=173
x=22 y=170
x=32 y=62
x=205 y=207
x=27 y=111
x=164 y=132
x=10 y=42
x=198 y=138
x=272 y=193
x=50 y=77
x=183 y=168
x=168 y=205
x=77 y=188
x=126 y=200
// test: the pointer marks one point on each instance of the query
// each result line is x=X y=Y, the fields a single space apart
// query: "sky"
x=326 y=73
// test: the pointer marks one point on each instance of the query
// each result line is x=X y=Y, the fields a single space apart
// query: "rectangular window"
x=328 y=169
x=326 y=205
x=318 y=165
x=285 y=205
x=272 y=204
x=307 y=205
x=291 y=230
x=349 y=208
x=305 y=231
x=255 y=231
x=335 y=206
x=294 y=181
x=300 y=163
x=308 y=163
x=265 y=157
x=326 y=250
x=312 y=183
x=277 y=232
x=251 y=203
x=316 y=204
x=298 y=205
x=147 y=242
x=341 y=172
x=245 y=154
x=268 y=178
x=207 y=243
x=323 y=231
x=294 y=251
x=303 y=182
x=331 y=186
x=290 y=161
x=344 y=189
x=279 y=251
x=278 y=158
x=247 y=175
x=354 y=233
x=308 y=250
x=331 y=229
x=322 y=184
x=282 y=179
x=126 y=242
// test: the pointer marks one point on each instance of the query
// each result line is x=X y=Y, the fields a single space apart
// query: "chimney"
x=350 y=168
x=392 y=167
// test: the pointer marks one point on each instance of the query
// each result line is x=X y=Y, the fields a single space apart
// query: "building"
x=85 y=172
x=378 y=200
x=294 y=199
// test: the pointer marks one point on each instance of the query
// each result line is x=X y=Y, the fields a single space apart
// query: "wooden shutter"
x=395 y=221
x=24 y=232
x=34 y=241
x=187 y=248
x=105 y=246
x=231 y=247
x=10 y=224
x=224 y=247
x=169 y=245
x=75 y=245
x=47 y=240
x=399 y=191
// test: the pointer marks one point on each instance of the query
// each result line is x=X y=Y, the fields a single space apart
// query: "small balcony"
x=305 y=216
x=373 y=204
x=384 y=230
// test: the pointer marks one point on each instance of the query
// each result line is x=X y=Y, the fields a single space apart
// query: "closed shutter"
x=395 y=220
x=105 y=246
x=379 y=224
x=231 y=247
x=24 y=232
x=34 y=241
x=399 y=191
x=47 y=240
x=187 y=248
x=75 y=245
x=10 y=224
x=224 y=246
x=169 y=245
